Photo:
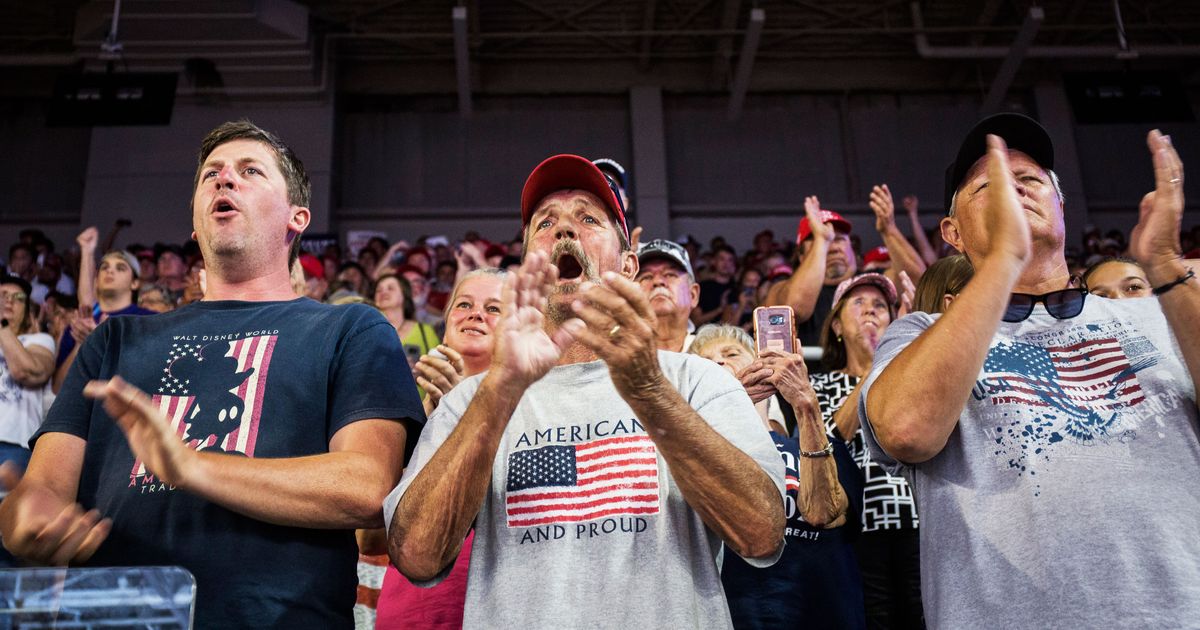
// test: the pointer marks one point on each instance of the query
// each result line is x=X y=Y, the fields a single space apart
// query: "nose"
x=565 y=229
x=1020 y=186
x=225 y=177
x=475 y=313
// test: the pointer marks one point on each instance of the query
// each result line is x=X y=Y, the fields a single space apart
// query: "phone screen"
x=773 y=329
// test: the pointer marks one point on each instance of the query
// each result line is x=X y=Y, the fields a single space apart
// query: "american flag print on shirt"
x=212 y=393
x=1089 y=374
x=582 y=482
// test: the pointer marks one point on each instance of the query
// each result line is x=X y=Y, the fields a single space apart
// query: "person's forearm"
x=922 y=241
x=437 y=509
x=340 y=490
x=916 y=401
x=904 y=256
x=821 y=500
x=801 y=290
x=86 y=291
x=846 y=416
x=724 y=485
x=1181 y=306
x=27 y=367
x=700 y=317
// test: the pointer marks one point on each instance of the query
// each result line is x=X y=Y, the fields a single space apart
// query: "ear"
x=301 y=217
x=629 y=264
x=946 y=300
x=194 y=236
x=694 y=291
x=950 y=233
x=136 y=284
x=836 y=327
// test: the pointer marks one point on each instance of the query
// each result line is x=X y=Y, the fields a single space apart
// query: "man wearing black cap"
x=600 y=475
x=665 y=276
x=1051 y=437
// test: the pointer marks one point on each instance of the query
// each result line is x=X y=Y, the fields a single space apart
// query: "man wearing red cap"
x=600 y=475
x=827 y=259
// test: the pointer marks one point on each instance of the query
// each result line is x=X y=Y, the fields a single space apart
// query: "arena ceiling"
x=297 y=48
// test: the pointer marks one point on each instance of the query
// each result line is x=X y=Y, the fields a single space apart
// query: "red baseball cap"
x=827 y=216
x=879 y=254
x=570 y=172
x=313 y=268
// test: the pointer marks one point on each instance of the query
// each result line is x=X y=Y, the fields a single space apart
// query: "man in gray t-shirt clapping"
x=600 y=475
x=1050 y=436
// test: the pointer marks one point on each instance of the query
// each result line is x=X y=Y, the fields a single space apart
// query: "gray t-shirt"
x=583 y=525
x=1069 y=492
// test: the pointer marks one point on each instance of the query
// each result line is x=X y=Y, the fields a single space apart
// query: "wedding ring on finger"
x=615 y=329
x=1175 y=180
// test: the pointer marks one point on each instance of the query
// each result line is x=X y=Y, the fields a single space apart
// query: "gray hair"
x=1057 y=185
x=476 y=273
x=713 y=333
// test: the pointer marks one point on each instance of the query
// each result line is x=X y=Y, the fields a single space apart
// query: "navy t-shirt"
x=253 y=379
x=816 y=583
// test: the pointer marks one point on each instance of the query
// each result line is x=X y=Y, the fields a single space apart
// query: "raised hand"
x=789 y=376
x=908 y=293
x=754 y=379
x=1008 y=229
x=88 y=239
x=82 y=325
x=910 y=203
x=620 y=330
x=821 y=231
x=884 y=208
x=436 y=375
x=524 y=352
x=46 y=529
x=1155 y=239
x=147 y=430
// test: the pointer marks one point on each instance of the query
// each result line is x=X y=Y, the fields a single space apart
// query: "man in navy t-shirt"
x=243 y=437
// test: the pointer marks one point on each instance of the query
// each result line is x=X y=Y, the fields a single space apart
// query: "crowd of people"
x=580 y=426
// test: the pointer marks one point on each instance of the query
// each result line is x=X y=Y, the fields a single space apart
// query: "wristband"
x=825 y=452
x=1171 y=285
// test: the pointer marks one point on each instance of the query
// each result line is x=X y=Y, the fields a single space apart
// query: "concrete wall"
x=416 y=167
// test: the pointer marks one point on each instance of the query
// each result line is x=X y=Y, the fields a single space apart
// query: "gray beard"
x=560 y=311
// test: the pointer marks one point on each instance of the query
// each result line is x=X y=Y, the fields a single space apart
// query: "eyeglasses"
x=1062 y=304
x=14 y=297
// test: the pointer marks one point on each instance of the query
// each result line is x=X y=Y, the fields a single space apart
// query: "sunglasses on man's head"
x=1062 y=304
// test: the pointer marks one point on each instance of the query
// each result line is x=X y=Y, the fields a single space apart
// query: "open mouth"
x=473 y=331
x=569 y=267
x=223 y=206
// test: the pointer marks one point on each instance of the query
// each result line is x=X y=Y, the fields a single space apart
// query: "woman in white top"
x=26 y=364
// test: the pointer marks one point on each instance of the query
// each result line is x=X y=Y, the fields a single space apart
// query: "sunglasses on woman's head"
x=1062 y=304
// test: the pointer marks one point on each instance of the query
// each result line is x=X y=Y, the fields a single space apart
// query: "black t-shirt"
x=254 y=379
x=816 y=583
x=810 y=331
x=712 y=292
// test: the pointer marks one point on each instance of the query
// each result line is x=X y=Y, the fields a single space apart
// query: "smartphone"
x=773 y=329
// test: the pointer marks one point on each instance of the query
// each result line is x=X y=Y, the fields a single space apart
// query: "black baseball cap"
x=1019 y=132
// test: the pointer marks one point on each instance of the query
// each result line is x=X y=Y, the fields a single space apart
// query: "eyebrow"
x=240 y=162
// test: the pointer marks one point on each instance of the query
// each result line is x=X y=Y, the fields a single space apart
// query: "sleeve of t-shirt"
x=71 y=413
x=437 y=430
x=41 y=340
x=895 y=339
x=370 y=378
x=724 y=404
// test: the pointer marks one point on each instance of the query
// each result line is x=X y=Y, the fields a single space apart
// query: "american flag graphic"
x=566 y=484
x=176 y=394
x=1090 y=375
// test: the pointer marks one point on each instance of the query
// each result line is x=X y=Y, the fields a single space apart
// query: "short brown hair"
x=298 y=187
